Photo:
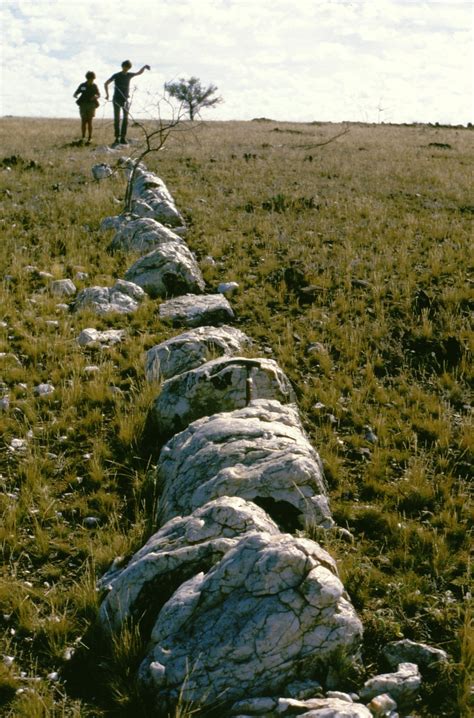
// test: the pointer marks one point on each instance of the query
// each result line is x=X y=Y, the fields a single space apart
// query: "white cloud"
x=311 y=59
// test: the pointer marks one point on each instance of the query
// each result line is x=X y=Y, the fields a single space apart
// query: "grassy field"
x=353 y=261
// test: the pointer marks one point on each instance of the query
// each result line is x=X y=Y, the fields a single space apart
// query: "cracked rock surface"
x=260 y=453
x=123 y=298
x=191 y=349
x=169 y=269
x=267 y=610
x=192 y=310
x=93 y=337
x=218 y=385
x=178 y=551
x=143 y=235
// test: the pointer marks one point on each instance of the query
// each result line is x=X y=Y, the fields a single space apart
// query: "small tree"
x=192 y=94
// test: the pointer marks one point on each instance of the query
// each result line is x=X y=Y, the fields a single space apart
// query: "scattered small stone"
x=64 y=287
x=43 y=390
x=91 y=369
x=68 y=653
x=382 y=705
x=91 y=522
x=53 y=323
x=18 y=445
x=370 y=435
x=81 y=276
x=8 y=660
x=227 y=288
x=5 y=403
x=101 y=171
x=93 y=337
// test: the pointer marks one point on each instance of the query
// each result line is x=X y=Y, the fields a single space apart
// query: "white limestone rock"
x=222 y=384
x=122 y=298
x=260 y=453
x=101 y=171
x=191 y=349
x=44 y=389
x=147 y=183
x=168 y=270
x=63 y=287
x=426 y=657
x=178 y=551
x=403 y=685
x=267 y=610
x=151 y=204
x=192 y=310
x=143 y=235
x=91 y=337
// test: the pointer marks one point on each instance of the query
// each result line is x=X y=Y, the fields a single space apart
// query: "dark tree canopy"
x=192 y=94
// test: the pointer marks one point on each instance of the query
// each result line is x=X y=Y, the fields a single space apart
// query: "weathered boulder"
x=259 y=453
x=142 y=235
x=163 y=210
x=426 y=657
x=168 y=270
x=178 y=551
x=269 y=609
x=123 y=298
x=222 y=384
x=191 y=349
x=146 y=182
x=91 y=337
x=192 y=310
x=63 y=287
x=402 y=685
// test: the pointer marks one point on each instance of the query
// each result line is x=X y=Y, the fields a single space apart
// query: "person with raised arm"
x=120 y=102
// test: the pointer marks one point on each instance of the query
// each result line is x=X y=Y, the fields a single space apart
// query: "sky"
x=300 y=60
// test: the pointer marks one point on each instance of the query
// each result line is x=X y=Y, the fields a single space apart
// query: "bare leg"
x=89 y=129
x=83 y=128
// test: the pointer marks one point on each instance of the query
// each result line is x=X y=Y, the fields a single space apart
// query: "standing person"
x=121 y=82
x=88 y=102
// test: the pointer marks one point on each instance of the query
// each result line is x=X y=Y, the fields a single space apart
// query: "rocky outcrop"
x=192 y=310
x=178 y=551
x=271 y=606
x=259 y=453
x=191 y=349
x=223 y=384
x=142 y=235
x=123 y=298
x=168 y=270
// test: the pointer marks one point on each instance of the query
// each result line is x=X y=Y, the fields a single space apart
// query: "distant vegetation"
x=353 y=265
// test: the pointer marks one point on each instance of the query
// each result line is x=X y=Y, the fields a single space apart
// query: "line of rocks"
x=237 y=609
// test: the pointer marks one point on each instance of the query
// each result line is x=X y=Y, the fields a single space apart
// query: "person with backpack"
x=88 y=102
x=121 y=82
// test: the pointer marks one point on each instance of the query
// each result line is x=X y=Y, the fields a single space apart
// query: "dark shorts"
x=87 y=110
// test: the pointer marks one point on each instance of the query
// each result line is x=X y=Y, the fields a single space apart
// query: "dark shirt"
x=122 y=86
x=87 y=92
